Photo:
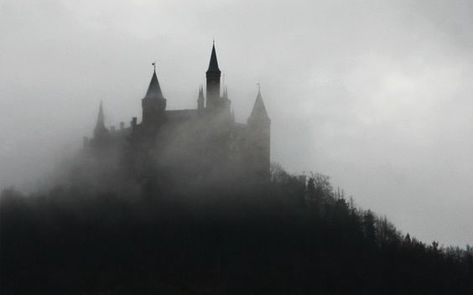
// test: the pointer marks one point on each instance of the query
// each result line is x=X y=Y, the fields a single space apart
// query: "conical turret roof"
x=259 y=110
x=154 y=90
x=100 y=118
x=213 y=64
x=100 y=128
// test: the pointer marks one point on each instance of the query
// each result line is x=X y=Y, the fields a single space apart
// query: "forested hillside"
x=287 y=237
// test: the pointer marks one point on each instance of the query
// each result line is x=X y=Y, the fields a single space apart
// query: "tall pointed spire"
x=213 y=64
x=100 y=125
x=154 y=90
x=100 y=117
x=259 y=138
x=153 y=104
x=213 y=82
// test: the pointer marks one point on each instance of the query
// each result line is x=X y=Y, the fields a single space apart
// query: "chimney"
x=133 y=123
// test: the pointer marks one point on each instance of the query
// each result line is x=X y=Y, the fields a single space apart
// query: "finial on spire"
x=259 y=87
x=154 y=65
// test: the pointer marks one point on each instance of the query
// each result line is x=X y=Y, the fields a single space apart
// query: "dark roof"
x=154 y=90
x=181 y=114
x=100 y=118
x=100 y=128
x=259 y=110
x=213 y=64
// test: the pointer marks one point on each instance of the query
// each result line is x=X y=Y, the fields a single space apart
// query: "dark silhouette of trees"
x=369 y=226
x=295 y=235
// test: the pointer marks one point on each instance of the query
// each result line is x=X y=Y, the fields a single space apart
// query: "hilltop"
x=287 y=237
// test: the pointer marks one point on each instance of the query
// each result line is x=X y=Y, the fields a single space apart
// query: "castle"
x=201 y=145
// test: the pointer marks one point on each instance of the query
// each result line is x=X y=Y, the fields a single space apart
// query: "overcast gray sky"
x=376 y=94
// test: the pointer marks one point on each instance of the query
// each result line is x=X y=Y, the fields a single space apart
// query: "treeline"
x=290 y=236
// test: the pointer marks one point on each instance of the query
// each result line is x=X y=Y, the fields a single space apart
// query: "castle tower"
x=100 y=130
x=154 y=103
x=200 y=100
x=101 y=133
x=213 y=81
x=259 y=136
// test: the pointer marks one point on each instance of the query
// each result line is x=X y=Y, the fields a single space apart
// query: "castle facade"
x=204 y=145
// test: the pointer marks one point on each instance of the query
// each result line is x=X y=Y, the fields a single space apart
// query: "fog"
x=375 y=94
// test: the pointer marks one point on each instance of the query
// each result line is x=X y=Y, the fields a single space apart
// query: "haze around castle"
x=378 y=96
